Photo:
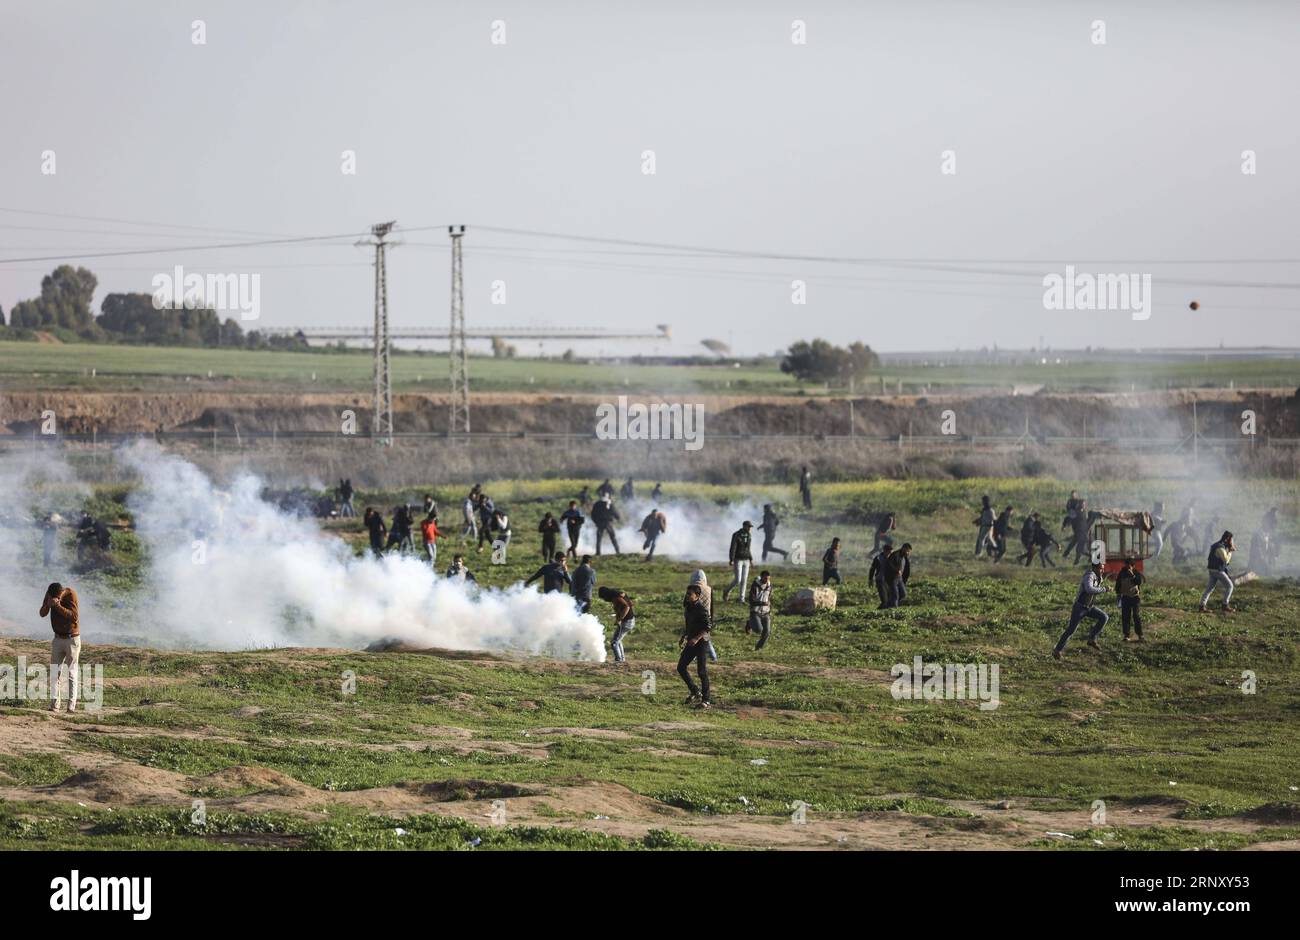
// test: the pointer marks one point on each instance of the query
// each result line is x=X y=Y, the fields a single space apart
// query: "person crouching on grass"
x=624 y=618
x=1128 y=585
x=694 y=642
x=1089 y=588
x=60 y=605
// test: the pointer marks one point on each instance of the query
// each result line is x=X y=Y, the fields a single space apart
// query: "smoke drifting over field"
x=32 y=487
x=227 y=570
x=231 y=571
x=697 y=531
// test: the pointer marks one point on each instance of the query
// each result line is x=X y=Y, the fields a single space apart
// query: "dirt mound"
x=1089 y=693
x=129 y=784
x=259 y=779
x=1282 y=812
x=447 y=791
x=1155 y=414
x=609 y=733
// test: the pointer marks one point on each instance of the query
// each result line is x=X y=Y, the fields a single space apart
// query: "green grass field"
x=578 y=756
x=25 y=365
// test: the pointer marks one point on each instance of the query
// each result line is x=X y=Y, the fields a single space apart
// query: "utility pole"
x=1196 y=437
x=382 y=429
x=458 y=418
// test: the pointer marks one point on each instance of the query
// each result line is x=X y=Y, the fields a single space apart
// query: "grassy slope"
x=23 y=365
x=1120 y=725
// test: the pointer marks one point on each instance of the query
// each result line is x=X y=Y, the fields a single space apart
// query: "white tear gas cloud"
x=227 y=570
x=697 y=530
x=232 y=571
x=33 y=487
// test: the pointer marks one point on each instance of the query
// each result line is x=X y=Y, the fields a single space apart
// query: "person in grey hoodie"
x=1090 y=587
x=700 y=579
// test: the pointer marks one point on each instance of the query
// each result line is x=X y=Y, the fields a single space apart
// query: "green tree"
x=65 y=299
x=820 y=361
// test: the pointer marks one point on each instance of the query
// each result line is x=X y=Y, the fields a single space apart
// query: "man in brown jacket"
x=60 y=605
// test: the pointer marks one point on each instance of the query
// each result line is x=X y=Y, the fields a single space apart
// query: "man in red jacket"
x=429 y=530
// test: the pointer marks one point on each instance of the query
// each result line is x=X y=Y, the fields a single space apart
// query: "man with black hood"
x=486 y=509
x=604 y=515
x=878 y=575
x=1000 y=527
x=374 y=523
x=549 y=528
x=399 y=533
x=573 y=520
x=1027 y=539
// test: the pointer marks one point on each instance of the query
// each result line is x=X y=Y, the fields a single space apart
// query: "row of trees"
x=820 y=361
x=65 y=304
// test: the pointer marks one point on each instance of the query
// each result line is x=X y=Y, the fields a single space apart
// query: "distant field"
x=33 y=365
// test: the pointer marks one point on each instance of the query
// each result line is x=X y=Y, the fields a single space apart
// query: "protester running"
x=1089 y=588
x=624 y=618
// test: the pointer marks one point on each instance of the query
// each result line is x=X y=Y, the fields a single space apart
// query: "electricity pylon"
x=458 y=419
x=382 y=428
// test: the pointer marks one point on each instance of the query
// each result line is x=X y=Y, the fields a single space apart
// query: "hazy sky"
x=1111 y=157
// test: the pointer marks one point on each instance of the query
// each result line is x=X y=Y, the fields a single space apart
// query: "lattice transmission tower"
x=458 y=420
x=382 y=429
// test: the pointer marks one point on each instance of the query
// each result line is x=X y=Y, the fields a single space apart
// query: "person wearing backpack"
x=624 y=618
x=1217 y=563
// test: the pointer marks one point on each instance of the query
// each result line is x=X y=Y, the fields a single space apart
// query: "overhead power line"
x=175 y=248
